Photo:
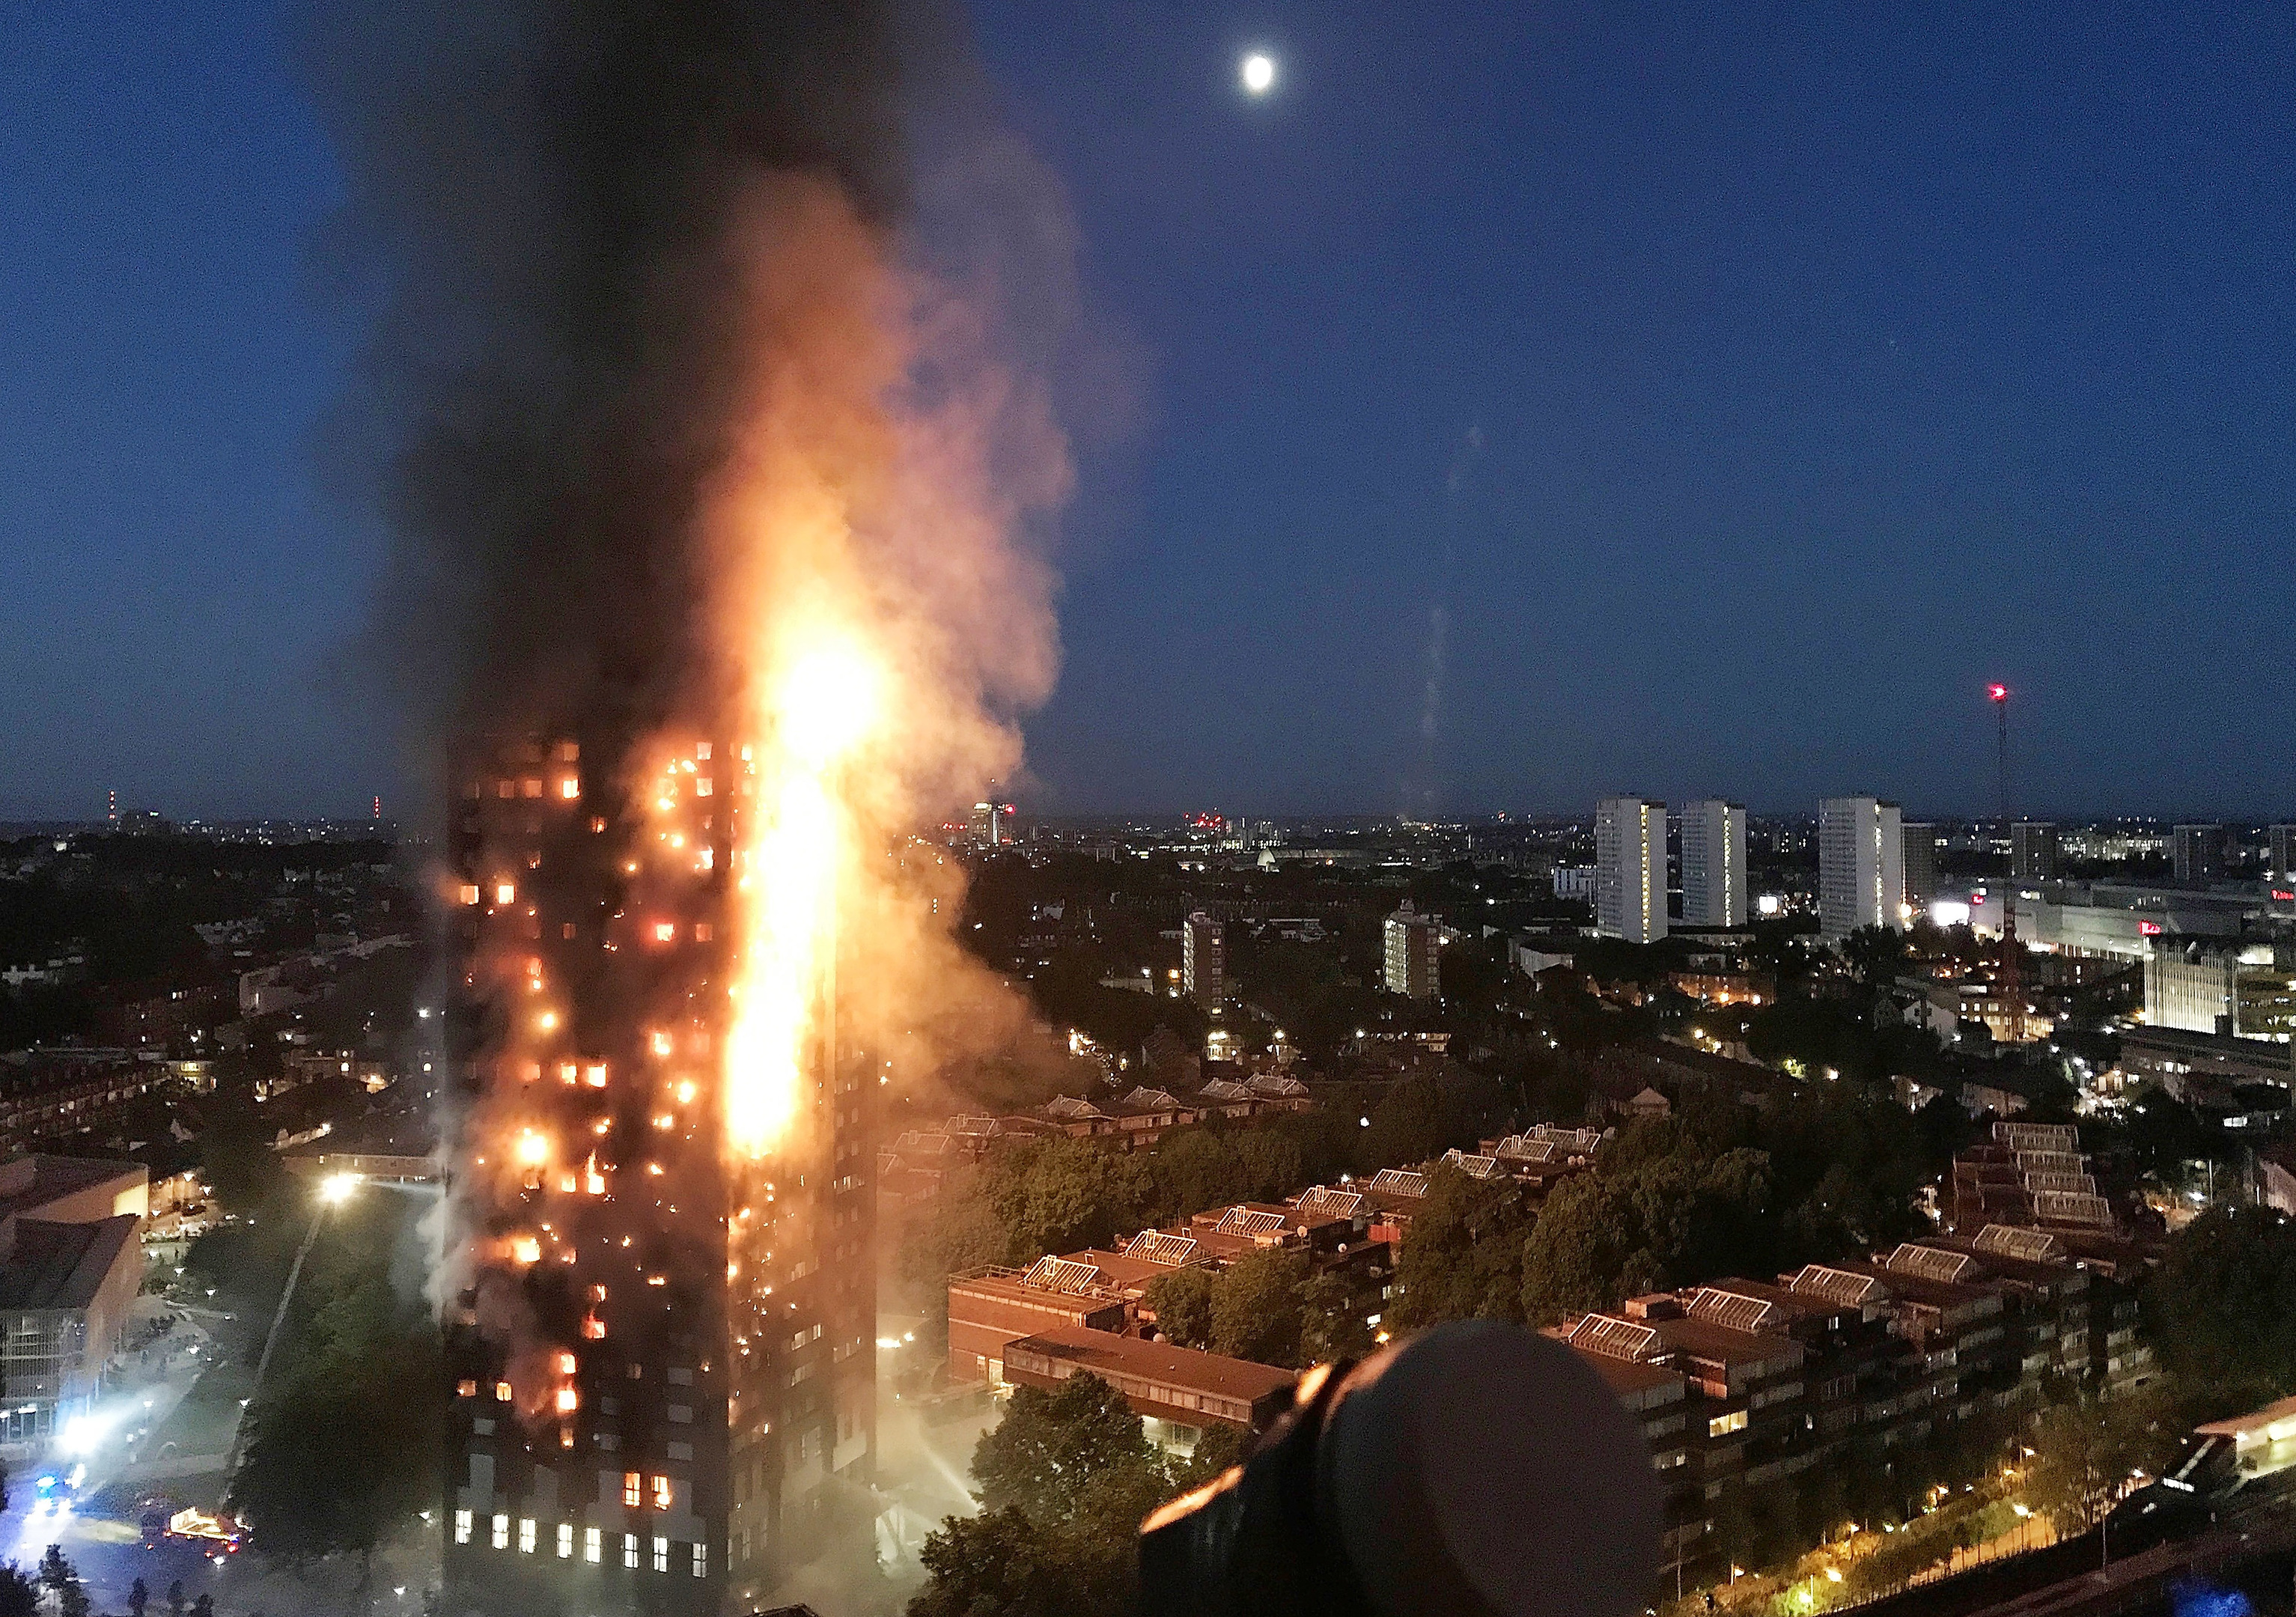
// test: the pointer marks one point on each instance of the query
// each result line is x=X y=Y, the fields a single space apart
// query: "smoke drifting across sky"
x=693 y=373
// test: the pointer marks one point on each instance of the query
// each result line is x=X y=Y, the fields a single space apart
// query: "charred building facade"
x=662 y=1350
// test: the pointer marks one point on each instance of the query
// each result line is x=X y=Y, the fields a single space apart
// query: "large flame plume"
x=700 y=452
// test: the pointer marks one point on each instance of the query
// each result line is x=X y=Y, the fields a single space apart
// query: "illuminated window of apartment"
x=661 y=1554
x=663 y=1493
x=594 y=1544
x=533 y=786
x=633 y=1489
x=506 y=892
x=569 y=787
x=502 y=1533
x=566 y=930
x=630 y=1551
x=506 y=788
x=468 y=893
x=703 y=932
x=701 y=751
x=566 y=1540
x=462 y=1527
x=502 y=1392
x=526 y=1535
x=703 y=786
x=702 y=1560
x=1722 y=1425
x=466 y=1389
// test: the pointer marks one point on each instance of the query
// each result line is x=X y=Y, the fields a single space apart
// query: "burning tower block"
x=663 y=1346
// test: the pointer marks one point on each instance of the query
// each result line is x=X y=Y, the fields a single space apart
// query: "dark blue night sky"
x=1528 y=402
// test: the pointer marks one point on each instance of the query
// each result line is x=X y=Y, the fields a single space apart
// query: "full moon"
x=1258 y=73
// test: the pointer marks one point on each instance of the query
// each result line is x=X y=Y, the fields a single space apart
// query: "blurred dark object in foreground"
x=1477 y=1469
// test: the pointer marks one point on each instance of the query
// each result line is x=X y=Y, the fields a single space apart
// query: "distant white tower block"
x=1713 y=864
x=1861 y=865
x=1631 y=869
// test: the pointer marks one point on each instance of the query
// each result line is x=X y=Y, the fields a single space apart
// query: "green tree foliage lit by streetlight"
x=1182 y=1303
x=344 y=1444
x=1064 y=1481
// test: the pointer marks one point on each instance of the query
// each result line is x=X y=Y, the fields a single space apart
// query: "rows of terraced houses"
x=1741 y=1383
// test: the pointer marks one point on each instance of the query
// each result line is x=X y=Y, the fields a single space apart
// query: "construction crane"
x=2012 y=987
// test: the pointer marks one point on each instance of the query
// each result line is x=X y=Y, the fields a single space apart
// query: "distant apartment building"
x=1203 y=961
x=1413 y=942
x=2243 y=991
x=1861 y=876
x=1713 y=864
x=71 y=1266
x=1575 y=881
x=1631 y=869
x=2282 y=841
x=1918 y=841
x=2032 y=851
x=2197 y=852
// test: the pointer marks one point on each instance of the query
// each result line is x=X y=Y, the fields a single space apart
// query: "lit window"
x=664 y=931
x=532 y=787
x=662 y=1493
x=594 y=1545
x=466 y=1389
x=703 y=786
x=462 y=1527
x=566 y=1540
x=594 y=1328
x=526 y=1535
x=632 y=1486
x=506 y=892
x=661 y=1554
x=468 y=893
x=502 y=1533
x=570 y=788
x=630 y=1551
x=569 y=1400
x=1722 y=1425
x=702 y=1560
x=502 y=1392
x=703 y=932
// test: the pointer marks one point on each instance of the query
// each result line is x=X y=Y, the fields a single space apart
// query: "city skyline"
x=1845 y=400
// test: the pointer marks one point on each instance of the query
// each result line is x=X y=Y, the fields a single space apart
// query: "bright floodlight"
x=336 y=1188
x=1258 y=73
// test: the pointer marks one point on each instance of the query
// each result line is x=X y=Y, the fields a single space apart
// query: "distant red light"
x=1998 y=693
x=2148 y=928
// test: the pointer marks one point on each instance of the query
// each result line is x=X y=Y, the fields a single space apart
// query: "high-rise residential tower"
x=663 y=1357
x=2197 y=853
x=1411 y=955
x=1919 y=856
x=1713 y=864
x=1861 y=873
x=1630 y=868
x=2032 y=851
x=1203 y=961
x=2283 y=841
